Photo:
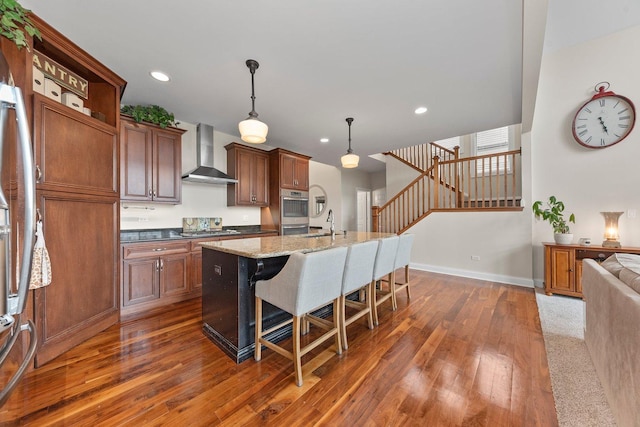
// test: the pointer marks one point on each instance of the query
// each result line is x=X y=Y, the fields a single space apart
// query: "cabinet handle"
x=159 y=249
x=161 y=265
x=154 y=195
x=157 y=265
x=38 y=174
x=150 y=193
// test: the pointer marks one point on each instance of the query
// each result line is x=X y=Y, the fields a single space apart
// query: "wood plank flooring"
x=462 y=352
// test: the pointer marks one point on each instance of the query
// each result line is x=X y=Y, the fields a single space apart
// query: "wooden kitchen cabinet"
x=154 y=274
x=150 y=162
x=250 y=166
x=294 y=169
x=563 y=265
x=77 y=196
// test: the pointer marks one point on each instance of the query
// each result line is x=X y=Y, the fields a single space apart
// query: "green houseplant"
x=553 y=213
x=15 y=21
x=149 y=113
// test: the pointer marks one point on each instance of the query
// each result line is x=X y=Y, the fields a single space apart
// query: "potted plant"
x=554 y=214
x=14 y=21
x=149 y=113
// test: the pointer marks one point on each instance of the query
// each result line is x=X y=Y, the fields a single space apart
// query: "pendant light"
x=350 y=160
x=253 y=130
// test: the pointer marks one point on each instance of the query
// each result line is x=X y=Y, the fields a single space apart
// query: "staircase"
x=447 y=182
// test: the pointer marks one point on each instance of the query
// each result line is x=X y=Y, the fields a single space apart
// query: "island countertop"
x=269 y=247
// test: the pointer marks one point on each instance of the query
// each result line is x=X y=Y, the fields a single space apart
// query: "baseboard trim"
x=510 y=280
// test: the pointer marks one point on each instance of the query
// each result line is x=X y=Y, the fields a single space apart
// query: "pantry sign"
x=61 y=75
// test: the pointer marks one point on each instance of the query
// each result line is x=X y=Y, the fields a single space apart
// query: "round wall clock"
x=604 y=120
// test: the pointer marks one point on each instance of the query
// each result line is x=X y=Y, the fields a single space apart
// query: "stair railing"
x=486 y=182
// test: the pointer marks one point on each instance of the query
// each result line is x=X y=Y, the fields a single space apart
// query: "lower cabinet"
x=563 y=265
x=154 y=274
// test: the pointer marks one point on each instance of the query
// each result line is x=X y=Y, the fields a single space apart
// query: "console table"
x=563 y=265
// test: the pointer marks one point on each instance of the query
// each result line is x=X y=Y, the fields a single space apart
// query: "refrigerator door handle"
x=11 y=96
x=29 y=200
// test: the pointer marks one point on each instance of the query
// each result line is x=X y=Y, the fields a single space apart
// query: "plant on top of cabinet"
x=553 y=214
x=149 y=113
x=14 y=19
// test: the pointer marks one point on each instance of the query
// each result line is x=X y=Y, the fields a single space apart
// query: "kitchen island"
x=230 y=270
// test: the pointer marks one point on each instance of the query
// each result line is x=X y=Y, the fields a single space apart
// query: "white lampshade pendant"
x=350 y=160
x=251 y=129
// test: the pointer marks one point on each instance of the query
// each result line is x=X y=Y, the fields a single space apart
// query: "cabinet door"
x=244 y=174
x=302 y=174
x=74 y=153
x=562 y=270
x=136 y=150
x=140 y=281
x=196 y=270
x=82 y=239
x=174 y=274
x=287 y=171
x=167 y=167
x=261 y=180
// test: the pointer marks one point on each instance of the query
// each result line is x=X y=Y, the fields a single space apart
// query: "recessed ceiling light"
x=159 y=75
x=324 y=140
x=420 y=110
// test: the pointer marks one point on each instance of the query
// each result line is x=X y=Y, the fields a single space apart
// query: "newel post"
x=375 y=218
x=436 y=182
x=456 y=171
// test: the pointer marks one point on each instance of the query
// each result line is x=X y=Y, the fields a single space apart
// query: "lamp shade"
x=350 y=160
x=253 y=131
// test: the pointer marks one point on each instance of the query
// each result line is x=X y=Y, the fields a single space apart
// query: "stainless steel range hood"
x=204 y=171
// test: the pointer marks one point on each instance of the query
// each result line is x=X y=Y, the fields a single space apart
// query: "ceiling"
x=324 y=61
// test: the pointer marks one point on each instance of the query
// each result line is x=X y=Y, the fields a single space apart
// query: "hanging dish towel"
x=41 y=264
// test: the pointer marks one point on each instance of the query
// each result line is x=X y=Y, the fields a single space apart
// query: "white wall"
x=352 y=180
x=588 y=181
x=329 y=178
x=499 y=242
x=198 y=200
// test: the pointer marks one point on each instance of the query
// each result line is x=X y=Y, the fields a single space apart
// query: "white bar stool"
x=358 y=274
x=384 y=266
x=403 y=258
x=306 y=282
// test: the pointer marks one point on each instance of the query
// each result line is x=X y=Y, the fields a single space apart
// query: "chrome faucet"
x=333 y=224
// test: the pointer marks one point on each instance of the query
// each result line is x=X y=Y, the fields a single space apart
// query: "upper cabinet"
x=150 y=162
x=293 y=169
x=250 y=166
x=64 y=137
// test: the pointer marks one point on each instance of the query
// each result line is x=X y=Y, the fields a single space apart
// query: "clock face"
x=604 y=121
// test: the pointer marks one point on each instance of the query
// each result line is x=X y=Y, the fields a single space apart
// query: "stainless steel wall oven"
x=294 y=212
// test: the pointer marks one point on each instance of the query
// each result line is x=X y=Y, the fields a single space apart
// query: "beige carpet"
x=580 y=399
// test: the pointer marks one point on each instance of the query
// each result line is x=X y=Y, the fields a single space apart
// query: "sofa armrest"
x=612 y=335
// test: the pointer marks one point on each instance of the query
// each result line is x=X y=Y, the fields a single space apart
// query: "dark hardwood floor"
x=461 y=352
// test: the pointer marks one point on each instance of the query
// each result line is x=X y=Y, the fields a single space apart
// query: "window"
x=491 y=142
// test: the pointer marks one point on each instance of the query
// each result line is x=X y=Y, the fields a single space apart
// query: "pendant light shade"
x=350 y=160
x=253 y=130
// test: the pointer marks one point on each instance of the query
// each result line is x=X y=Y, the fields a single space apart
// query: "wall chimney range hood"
x=204 y=171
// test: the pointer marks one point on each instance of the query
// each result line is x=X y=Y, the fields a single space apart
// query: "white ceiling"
x=323 y=61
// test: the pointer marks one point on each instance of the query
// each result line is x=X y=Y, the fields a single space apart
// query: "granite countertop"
x=269 y=247
x=152 y=235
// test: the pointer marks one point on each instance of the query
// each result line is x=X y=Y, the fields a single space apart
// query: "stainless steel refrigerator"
x=16 y=239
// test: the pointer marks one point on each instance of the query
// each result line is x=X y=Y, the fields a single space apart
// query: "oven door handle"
x=301 y=199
